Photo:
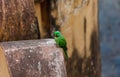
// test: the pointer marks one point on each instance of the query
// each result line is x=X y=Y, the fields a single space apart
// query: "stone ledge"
x=31 y=58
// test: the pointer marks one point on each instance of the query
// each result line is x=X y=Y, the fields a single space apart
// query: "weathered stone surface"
x=32 y=58
x=17 y=20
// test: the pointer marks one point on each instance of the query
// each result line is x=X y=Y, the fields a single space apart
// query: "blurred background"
x=109 y=26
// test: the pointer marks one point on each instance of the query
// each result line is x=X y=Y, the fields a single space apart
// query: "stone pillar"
x=17 y=20
x=78 y=22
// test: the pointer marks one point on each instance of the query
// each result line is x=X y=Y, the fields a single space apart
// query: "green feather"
x=65 y=52
x=60 y=40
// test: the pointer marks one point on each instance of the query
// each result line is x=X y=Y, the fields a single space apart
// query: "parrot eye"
x=56 y=35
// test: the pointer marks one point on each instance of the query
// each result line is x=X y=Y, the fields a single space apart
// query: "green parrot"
x=60 y=41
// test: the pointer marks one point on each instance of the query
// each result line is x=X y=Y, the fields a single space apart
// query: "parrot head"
x=57 y=33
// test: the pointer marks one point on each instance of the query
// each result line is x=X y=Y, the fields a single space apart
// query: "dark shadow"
x=85 y=22
x=53 y=26
x=86 y=66
x=95 y=54
x=74 y=65
x=45 y=17
x=37 y=30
